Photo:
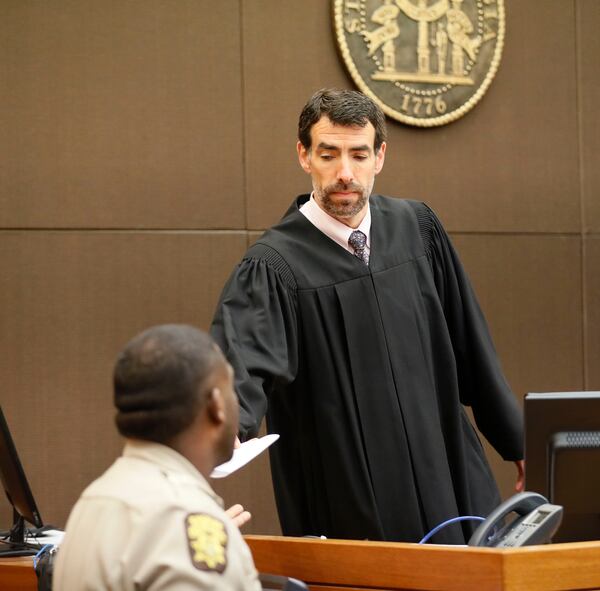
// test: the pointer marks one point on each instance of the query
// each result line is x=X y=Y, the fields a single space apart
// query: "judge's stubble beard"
x=345 y=208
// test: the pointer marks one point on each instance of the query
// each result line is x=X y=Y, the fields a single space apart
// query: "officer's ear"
x=215 y=406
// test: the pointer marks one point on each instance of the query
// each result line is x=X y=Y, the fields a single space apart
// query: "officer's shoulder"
x=208 y=539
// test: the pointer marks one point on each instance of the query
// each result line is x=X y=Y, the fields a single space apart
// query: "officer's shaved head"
x=159 y=380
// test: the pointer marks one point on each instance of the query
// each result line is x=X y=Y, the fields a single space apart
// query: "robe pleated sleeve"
x=255 y=325
x=482 y=384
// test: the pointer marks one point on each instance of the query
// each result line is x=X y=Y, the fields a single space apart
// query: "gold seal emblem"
x=425 y=62
x=207 y=539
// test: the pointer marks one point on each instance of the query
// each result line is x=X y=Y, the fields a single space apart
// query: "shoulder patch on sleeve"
x=207 y=541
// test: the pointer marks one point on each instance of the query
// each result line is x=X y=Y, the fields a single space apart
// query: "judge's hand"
x=520 y=485
x=238 y=515
x=237 y=443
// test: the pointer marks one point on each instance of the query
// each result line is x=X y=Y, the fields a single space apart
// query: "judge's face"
x=342 y=163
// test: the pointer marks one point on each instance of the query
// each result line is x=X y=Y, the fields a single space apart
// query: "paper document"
x=50 y=536
x=244 y=454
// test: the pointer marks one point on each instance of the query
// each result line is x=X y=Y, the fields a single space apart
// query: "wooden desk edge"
x=393 y=566
x=17 y=574
x=328 y=564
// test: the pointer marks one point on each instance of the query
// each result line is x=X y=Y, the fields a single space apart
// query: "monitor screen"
x=562 y=458
x=13 y=478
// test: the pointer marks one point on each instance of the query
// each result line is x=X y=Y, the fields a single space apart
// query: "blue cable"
x=437 y=528
x=40 y=552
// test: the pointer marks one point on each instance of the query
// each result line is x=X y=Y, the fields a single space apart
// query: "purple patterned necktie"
x=358 y=241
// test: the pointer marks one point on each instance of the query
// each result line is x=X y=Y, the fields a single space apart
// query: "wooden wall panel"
x=510 y=164
x=182 y=115
x=529 y=288
x=69 y=302
x=121 y=114
x=592 y=295
x=589 y=120
x=482 y=172
x=288 y=55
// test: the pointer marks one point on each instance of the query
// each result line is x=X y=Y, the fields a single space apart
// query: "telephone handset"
x=536 y=523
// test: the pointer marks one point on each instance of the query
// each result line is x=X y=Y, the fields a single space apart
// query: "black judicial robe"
x=364 y=371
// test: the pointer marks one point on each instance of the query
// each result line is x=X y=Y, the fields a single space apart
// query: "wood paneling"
x=69 y=303
x=121 y=114
x=288 y=55
x=522 y=283
x=589 y=121
x=182 y=115
x=17 y=574
x=483 y=172
x=344 y=565
x=510 y=164
x=592 y=300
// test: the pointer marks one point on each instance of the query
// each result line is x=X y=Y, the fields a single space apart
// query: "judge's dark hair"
x=342 y=107
x=158 y=380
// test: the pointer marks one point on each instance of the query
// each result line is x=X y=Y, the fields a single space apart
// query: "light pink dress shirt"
x=334 y=229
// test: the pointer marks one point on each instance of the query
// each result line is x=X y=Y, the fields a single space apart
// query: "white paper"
x=50 y=536
x=244 y=454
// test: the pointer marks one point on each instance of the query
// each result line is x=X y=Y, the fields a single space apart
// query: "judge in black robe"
x=364 y=371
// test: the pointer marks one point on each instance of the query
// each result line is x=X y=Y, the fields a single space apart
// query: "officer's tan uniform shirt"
x=151 y=521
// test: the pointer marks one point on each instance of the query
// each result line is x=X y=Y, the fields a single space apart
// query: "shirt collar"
x=169 y=460
x=333 y=228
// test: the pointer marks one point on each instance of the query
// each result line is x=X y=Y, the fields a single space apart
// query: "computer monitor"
x=19 y=495
x=562 y=458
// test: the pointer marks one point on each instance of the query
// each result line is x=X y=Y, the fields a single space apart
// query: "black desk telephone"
x=536 y=523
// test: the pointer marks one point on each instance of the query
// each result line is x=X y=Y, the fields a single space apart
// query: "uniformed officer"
x=152 y=521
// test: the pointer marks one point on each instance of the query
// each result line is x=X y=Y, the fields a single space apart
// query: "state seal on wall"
x=425 y=62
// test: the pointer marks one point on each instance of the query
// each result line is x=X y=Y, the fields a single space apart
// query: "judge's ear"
x=380 y=158
x=303 y=156
x=215 y=406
